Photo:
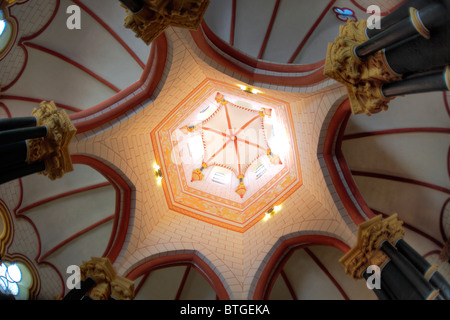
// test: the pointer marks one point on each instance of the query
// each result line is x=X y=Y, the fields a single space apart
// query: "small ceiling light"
x=158 y=173
x=248 y=89
x=271 y=212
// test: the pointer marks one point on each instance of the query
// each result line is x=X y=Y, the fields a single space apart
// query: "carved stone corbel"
x=157 y=15
x=122 y=289
x=107 y=282
x=371 y=234
x=363 y=77
x=54 y=148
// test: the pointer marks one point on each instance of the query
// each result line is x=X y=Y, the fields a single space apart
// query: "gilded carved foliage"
x=363 y=77
x=54 y=148
x=108 y=283
x=371 y=234
x=157 y=15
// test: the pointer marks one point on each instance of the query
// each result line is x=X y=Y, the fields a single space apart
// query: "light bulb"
x=277 y=208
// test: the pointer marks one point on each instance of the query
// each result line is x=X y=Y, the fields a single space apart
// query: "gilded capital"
x=54 y=148
x=99 y=269
x=157 y=15
x=371 y=234
x=122 y=289
x=362 y=77
x=107 y=283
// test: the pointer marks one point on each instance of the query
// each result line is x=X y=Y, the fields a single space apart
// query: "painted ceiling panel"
x=39 y=187
x=405 y=112
x=75 y=213
x=82 y=248
x=298 y=20
x=113 y=15
x=218 y=17
x=161 y=284
x=416 y=205
x=329 y=257
x=280 y=291
x=252 y=21
x=308 y=280
x=418 y=156
x=197 y=288
x=47 y=77
x=92 y=46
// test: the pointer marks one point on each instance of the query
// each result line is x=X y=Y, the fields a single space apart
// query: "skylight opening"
x=260 y=171
x=219 y=177
x=204 y=109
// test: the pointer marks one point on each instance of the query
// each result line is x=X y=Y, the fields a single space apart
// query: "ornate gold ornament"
x=107 y=282
x=54 y=148
x=157 y=15
x=371 y=234
x=363 y=77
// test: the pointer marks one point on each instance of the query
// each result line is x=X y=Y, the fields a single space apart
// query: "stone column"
x=427 y=292
x=438 y=80
x=398 y=15
x=16 y=123
x=419 y=23
x=365 y=62
x=367 y=252
x=78 y=294
x=429 y=272
x=36 y=144
x=20 y=170
x=22 y=134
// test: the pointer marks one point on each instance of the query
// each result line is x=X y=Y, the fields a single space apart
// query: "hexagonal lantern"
x=227 y=155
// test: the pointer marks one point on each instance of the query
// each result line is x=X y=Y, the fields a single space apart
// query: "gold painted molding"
x=5 y=236
x=371 y=234
x=54 y=148
x=445 y=252
x=108 y=283
x=157 y=15
x=362 y=77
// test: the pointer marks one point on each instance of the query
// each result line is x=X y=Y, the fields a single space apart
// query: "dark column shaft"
x=411 y=273
x=133 y=5
x=420 y=54
x=437 y=280
x=381 y=293
x=20 y=134
x=431 y=16
x=435 y=81
x=78 y=294
x=396 y=285
x=398 y=15
x=15 y=123
x=20 y=170
x=13 y=153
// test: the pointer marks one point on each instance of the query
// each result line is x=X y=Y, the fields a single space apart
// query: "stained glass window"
x=344 y=14
x=2 y=23
x=15 y=279
x=10 y=277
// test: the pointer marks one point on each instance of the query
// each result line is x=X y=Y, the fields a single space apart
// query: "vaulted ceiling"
x=117 y=91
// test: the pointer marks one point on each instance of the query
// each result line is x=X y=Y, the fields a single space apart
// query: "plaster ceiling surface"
x=135 y=221
x=156 y=227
